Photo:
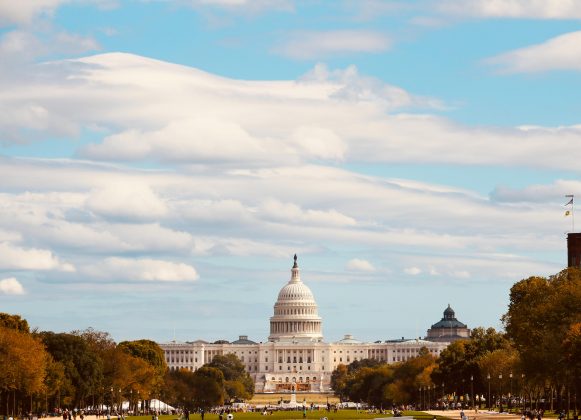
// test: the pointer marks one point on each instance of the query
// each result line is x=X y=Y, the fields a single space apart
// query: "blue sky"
x=163 y=160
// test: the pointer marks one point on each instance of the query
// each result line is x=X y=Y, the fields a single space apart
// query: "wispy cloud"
x=317 y=45
x=525 y=9
x=559 y=53
x=357 y=264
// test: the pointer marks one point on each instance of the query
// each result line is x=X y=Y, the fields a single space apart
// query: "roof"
x=348 y=339
x=449 y=320
x=243 y=339
x=449 y=323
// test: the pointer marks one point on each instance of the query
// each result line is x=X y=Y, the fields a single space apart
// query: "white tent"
x=159 y=405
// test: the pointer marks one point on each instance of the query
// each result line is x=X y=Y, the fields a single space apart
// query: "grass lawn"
x=288 y=415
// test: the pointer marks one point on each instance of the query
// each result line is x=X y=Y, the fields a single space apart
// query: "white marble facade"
x=295 y=351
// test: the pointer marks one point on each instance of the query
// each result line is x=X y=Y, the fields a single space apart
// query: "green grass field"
x=289 y=415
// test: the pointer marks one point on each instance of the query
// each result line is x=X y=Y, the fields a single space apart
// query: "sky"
x=162 y=160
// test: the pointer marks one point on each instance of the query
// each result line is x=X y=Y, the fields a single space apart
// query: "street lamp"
x=472 y=390
x=488 y=377
x=120 y=407
x=510 y=393
x=420 y=391
x=111 y=406
x=443 y=395
x=500 y=392
x=522 y=390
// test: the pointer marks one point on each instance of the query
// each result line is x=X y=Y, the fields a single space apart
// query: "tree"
x=459 y=362
x=130 y=376
x=147 y=350
x=208 y=387
x=23 y=362
x=234 y=371
x=540 y=315
x=150 y=352
x=14 y=322
x=339 y=379
x=83 y=367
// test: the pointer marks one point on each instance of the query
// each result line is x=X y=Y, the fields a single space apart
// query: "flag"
x=567 y=213
x=570 y=202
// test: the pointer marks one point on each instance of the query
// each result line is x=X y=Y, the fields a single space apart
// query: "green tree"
x=234 y=371
x=14 y=322
x=208 y=387
x=83 y=367
x=540 y=316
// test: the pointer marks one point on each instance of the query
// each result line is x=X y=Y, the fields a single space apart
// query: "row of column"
x=295 y=326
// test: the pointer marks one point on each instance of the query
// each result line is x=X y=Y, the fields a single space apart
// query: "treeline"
x=42 y=371
x=537 y=360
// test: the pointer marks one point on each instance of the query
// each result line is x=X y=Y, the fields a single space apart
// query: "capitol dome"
x=295 y=312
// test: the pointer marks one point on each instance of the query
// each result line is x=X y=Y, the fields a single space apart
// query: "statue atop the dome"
x=295 y=264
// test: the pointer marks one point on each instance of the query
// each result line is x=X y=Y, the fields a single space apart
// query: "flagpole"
x=572 y=202
x=572 y=213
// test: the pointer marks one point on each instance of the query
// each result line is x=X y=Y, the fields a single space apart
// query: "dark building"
x=448 y=329
x=573 y=249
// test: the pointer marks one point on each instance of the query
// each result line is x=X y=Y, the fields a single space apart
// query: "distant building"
x=295 y=355
x=448 y=329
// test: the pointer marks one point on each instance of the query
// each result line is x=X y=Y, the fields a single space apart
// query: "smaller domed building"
x=448 y=329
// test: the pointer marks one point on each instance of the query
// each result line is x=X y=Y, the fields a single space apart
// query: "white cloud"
x=17 y=258
x=288 y=212
x=334 y=116
x=142 y=269
x=247 y=6
x=22 y=45
x=559 y=53
x=525 y=9
x=133 y=201
x=23 y=12
x=357 y=264
x=308 y=45
x=354 y=87
x=412 y=271
x=11 y=286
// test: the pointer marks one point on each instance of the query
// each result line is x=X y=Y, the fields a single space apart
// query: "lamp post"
x=420 y=391
x=488 y=377
x=522 y=390
x=472 y=390
x=130 y=399
x=111 y=406
x=510 y=393
x=443 y=394
x=500 y=392
x=120 y=407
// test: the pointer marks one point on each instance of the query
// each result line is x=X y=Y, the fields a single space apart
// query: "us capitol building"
x=295 y=352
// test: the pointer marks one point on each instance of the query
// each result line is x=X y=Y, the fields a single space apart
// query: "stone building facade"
x=295 y=352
